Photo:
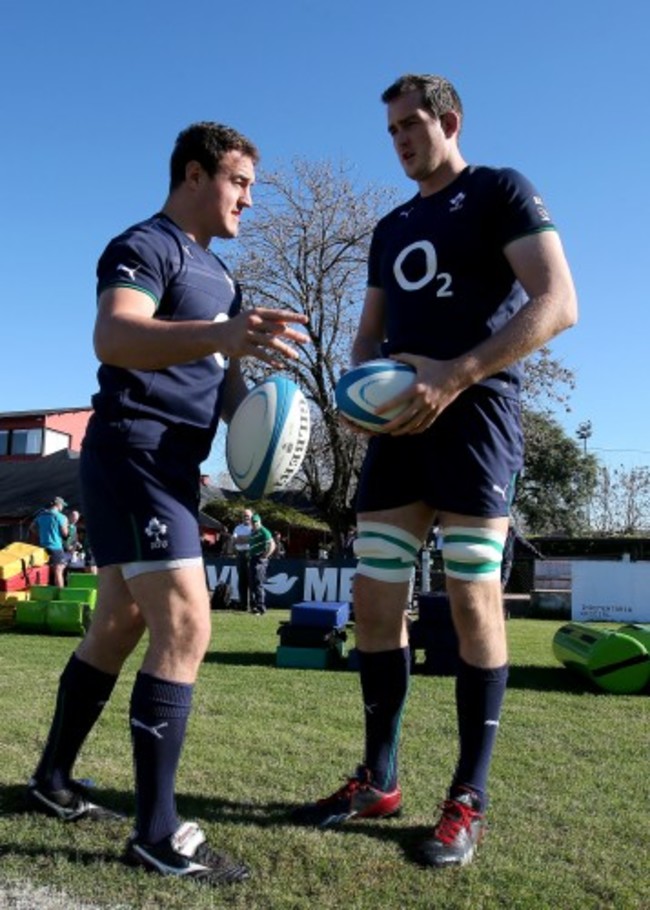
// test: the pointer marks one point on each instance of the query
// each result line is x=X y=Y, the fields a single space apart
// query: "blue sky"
x=93 y=95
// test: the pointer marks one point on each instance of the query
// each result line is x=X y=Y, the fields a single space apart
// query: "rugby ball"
x=364 y=388
x=267 y=437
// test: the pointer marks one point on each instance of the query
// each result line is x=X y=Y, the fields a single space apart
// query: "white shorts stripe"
x=131 y=569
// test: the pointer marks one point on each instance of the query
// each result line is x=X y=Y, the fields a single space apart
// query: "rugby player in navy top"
x=169 y=334
x=465 y=280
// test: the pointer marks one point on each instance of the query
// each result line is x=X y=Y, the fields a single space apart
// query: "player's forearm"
x=152 y=344
x=365 y=348
x=234 y=391
x=540 y=320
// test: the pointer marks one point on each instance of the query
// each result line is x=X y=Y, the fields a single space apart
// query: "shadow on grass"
x=13 y=801
x=558 y=679
x=548 y=679
x=278 y=815
x=263 y=815
x=535 y=678
x=241 y=658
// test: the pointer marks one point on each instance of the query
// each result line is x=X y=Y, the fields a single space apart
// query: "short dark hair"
x=207 y=143
x=438 y=94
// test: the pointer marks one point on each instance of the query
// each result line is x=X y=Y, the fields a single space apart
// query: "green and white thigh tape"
x=385 y=552
x=473 y=554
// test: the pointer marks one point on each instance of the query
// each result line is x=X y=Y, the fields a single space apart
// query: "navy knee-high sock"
x=83 y=692
x=158 y=715
x=479 y=696
x=384 y=685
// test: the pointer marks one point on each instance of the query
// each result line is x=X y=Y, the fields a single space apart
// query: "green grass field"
x=569 y=822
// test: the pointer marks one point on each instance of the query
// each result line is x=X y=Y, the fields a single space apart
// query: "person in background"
x=225 y=544
x=241 y=542
x=280 y=550
x=170 y=333
x=323 y=551
x=262 y=547
x=465 y=280
x=348 y=543
x=89 y=560
x=51 y=528
x=73 y=541
x=513 y=537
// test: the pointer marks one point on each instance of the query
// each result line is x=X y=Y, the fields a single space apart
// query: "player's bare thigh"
x=117 y=624
x=175 y=604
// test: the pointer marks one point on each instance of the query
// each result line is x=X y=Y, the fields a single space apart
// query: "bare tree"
x=547 y=382
x=603 y=501
x=306 y=250
x=634 y=486
x=621 y=500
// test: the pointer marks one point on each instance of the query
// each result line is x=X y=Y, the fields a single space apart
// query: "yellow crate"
x=33 y=556
x=9 y=565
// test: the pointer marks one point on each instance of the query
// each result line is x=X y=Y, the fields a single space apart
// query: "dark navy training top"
x=186 y=282
x=440 y=261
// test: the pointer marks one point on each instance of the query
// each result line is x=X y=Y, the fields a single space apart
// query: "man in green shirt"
x=261 y=546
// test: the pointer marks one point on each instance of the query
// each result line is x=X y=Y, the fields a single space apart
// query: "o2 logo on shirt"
x=442 y=279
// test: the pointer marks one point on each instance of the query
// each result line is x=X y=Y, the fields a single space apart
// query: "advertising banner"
x=290 y=581
x=610 y=591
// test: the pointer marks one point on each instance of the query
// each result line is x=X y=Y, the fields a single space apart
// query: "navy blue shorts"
x=57 y=557
x=139 y=505
x=467 y=462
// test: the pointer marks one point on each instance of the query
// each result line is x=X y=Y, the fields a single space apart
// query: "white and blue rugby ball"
x=361 y=390
x=267 y=437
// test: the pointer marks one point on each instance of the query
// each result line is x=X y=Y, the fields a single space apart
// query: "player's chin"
x=229 y=228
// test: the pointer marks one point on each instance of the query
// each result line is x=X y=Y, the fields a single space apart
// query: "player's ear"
x=193 y=172
x=450 y=123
